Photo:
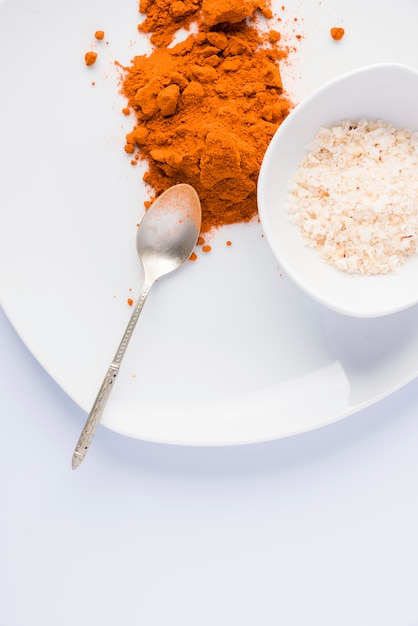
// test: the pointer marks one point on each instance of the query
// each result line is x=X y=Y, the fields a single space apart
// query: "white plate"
x=227 y=351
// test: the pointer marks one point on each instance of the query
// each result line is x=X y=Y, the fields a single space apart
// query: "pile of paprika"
x=206 y=108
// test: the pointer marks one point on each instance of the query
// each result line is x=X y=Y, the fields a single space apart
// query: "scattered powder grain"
x=337 y=33
x=355 y=196
x=99 y=34
x=90 y=58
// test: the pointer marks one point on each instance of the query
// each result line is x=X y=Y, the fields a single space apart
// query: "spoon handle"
x=95 y=414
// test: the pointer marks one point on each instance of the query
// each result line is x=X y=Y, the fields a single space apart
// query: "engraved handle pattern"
x=93 y=419
x=95 y=414
x=132 y=323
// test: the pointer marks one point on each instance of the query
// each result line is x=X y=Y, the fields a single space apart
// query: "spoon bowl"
x=165 y=239
x=168 y=231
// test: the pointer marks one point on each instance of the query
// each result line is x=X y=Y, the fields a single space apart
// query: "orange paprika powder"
x=207 y=107
x=337 y=33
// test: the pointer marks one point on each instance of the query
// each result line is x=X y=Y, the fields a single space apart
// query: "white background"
x=316 y=529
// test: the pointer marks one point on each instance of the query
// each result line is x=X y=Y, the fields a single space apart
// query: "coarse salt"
x=355 y=196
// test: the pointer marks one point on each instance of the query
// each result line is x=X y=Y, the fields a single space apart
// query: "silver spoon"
x=165 y=239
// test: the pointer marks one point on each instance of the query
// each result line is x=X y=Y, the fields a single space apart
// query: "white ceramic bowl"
x=385 y=91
